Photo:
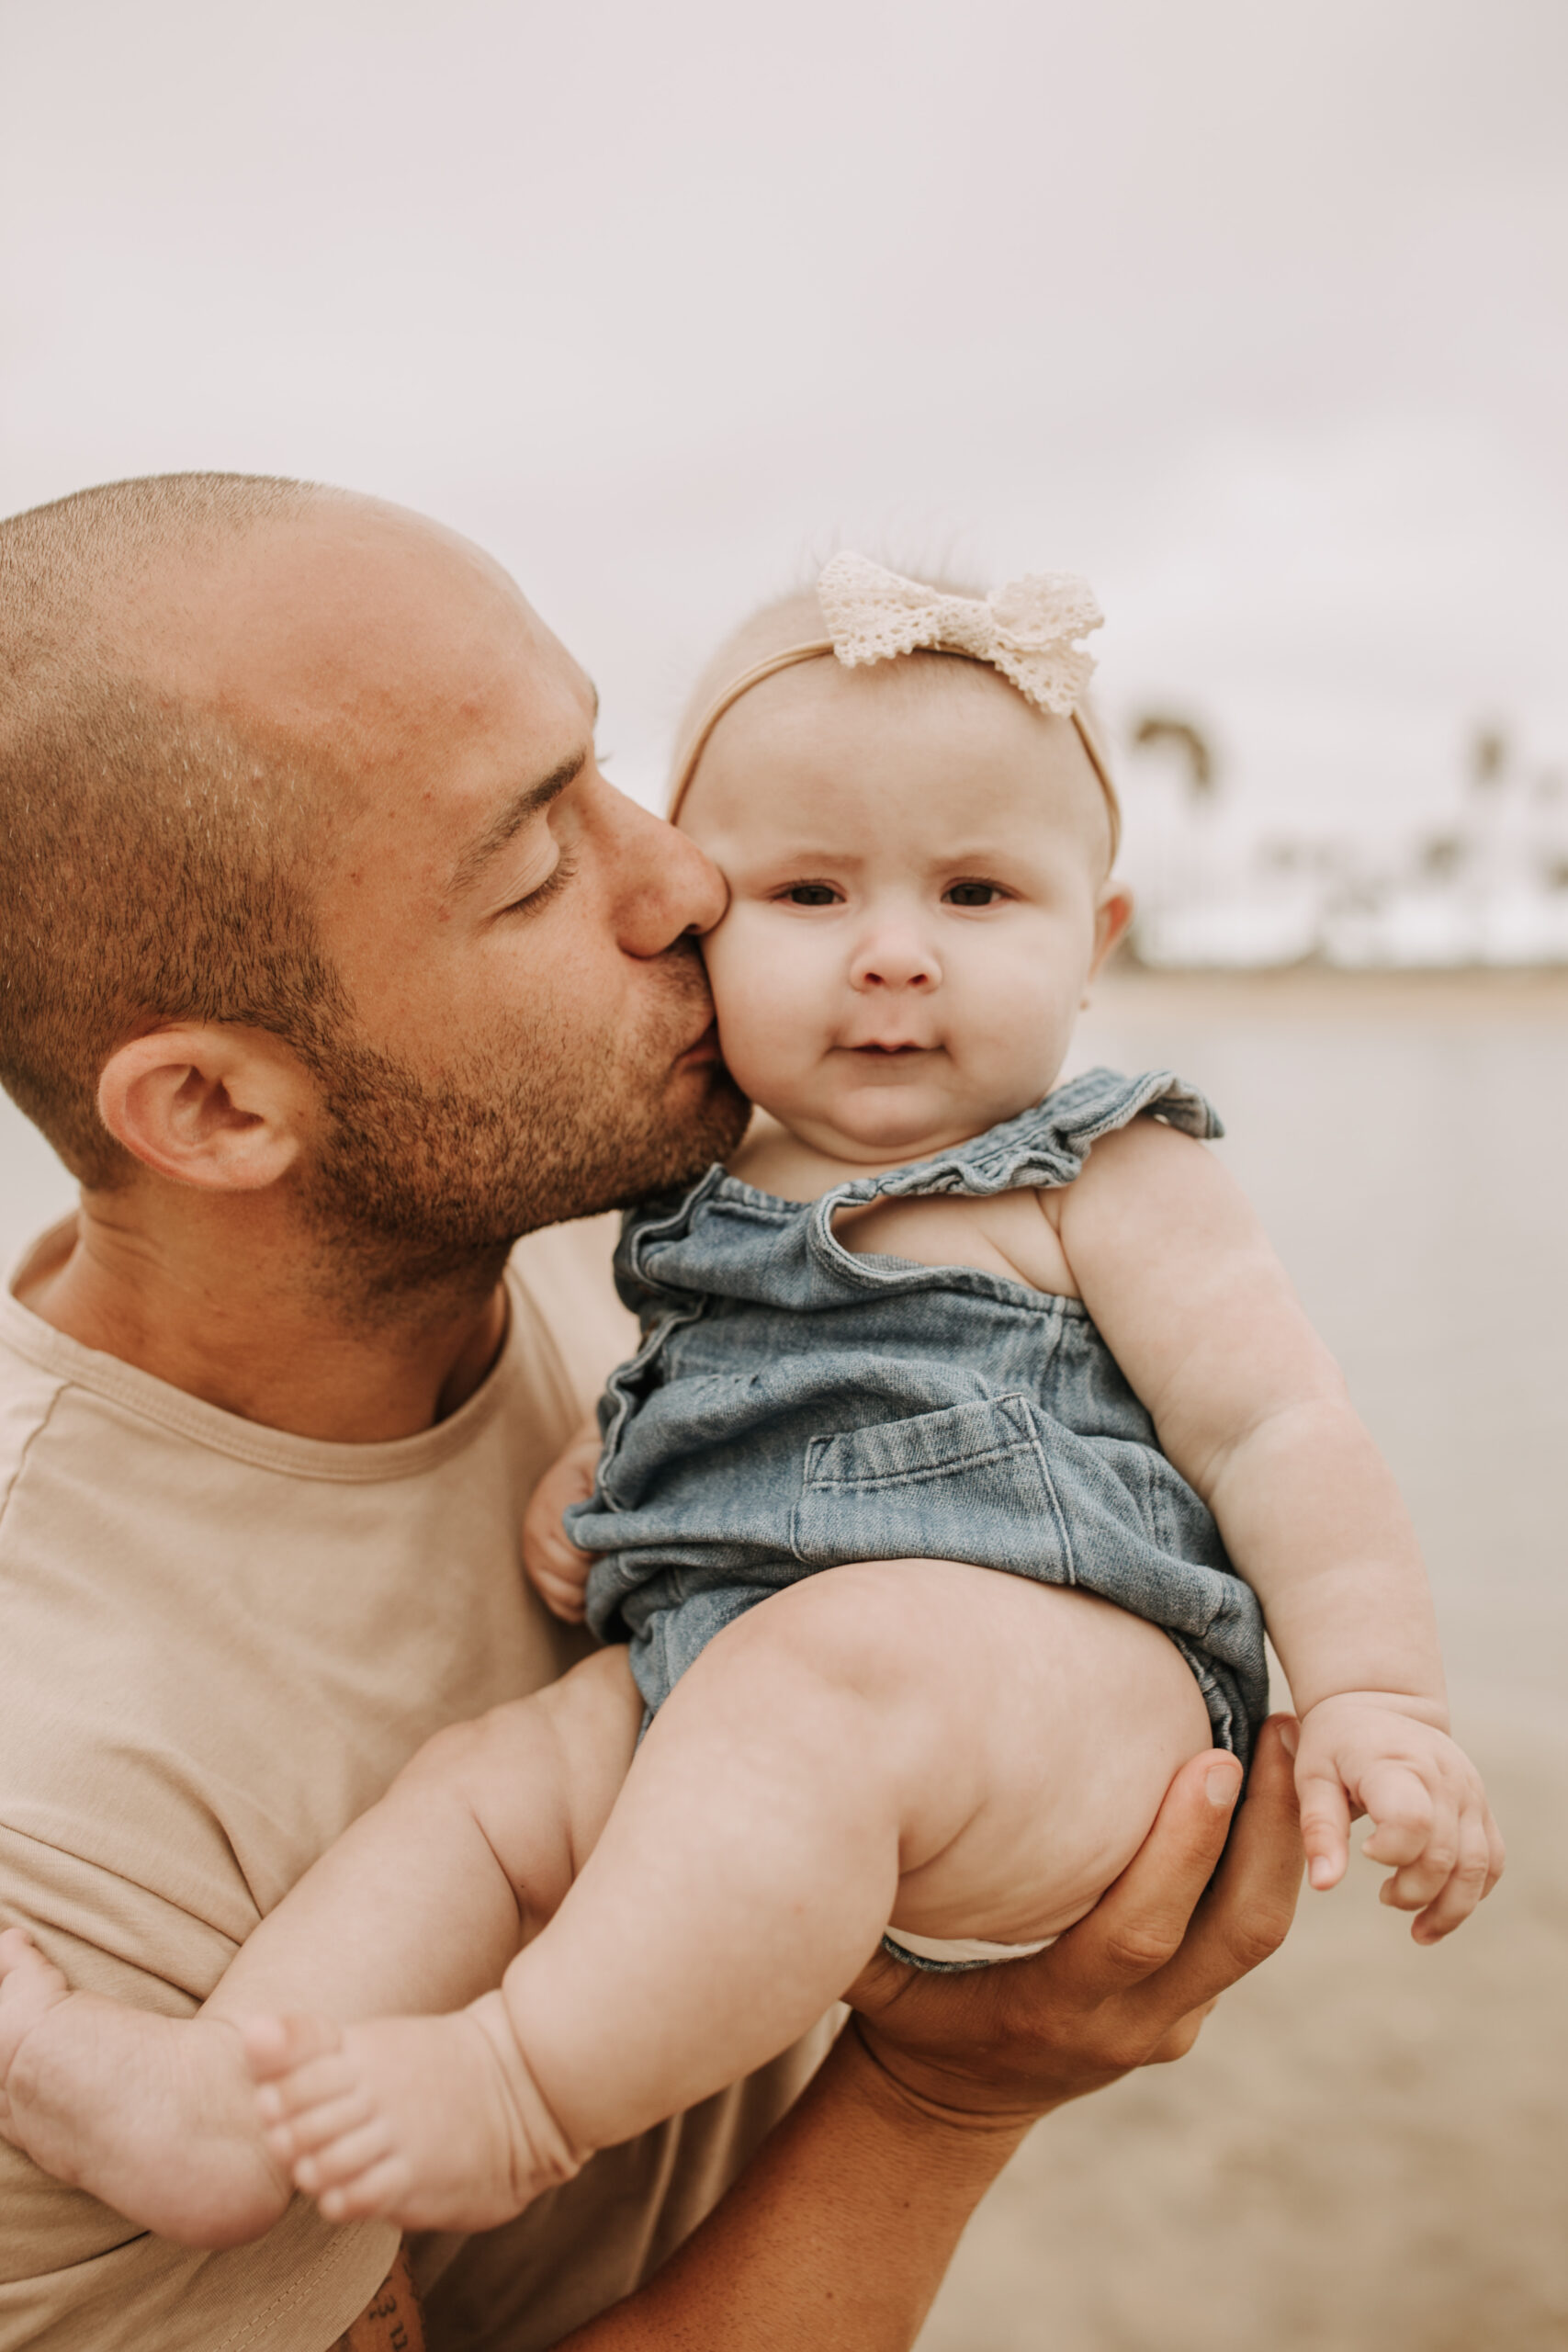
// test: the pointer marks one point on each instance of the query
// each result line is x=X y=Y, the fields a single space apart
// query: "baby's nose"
x=895 y=959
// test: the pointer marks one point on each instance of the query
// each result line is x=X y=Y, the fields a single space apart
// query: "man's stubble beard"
x=415 y=1188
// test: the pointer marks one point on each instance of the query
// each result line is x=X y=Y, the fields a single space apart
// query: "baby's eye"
x=971 y=894
x=811 y=894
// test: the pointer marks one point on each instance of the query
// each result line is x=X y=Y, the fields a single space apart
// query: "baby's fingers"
x=1471 y=1878
x=1406 y=1829
x=562 y=1596
x=1325 y=1826
x=1418 y=1830
x=1475 y=1875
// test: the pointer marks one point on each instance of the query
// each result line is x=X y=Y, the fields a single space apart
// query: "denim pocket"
x=967 y=1482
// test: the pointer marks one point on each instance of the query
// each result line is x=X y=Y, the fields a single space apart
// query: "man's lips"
x=703 y=1049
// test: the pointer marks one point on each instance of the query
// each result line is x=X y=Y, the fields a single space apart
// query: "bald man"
x=332 y=966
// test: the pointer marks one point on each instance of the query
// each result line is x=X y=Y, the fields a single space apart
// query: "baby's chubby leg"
x=958 y=1751
x=955 y=1750
x=420 y=1906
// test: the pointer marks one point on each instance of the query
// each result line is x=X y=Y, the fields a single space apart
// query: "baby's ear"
x=1112 y=913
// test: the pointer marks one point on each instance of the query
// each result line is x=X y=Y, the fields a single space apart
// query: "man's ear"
x=220 y=1108
x=1112 y=913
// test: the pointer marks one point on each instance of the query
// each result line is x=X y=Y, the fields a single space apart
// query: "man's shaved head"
x=154 y=843
x=280 y=759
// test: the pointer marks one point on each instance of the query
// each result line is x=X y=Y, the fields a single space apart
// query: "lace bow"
x=1029 y=630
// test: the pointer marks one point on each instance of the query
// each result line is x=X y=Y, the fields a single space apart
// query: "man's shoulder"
x=564 y=1276
x=29 y=1393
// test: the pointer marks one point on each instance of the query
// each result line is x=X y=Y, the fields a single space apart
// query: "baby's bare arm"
x=1197 y=1311
x=1250 y=1406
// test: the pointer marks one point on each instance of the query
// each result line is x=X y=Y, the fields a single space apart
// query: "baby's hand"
x=1362 y=1751
x=557 y=1569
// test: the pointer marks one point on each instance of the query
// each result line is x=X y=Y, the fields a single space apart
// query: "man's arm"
x=837 y=2235
x=390 y=2321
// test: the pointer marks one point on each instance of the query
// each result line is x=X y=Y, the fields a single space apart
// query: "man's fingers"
x=1181 y=2036
x=1138 y=1923
x=1247 y=1911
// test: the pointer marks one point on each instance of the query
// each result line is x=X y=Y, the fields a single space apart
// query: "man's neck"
x=228 y=1302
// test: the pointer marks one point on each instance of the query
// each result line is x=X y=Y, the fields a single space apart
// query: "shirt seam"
x=190 y=1418
x=314 y=2274
x=14 y=1480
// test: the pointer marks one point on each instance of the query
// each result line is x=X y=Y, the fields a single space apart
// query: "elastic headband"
x=1027 y=631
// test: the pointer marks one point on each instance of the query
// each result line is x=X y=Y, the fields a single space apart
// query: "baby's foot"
x=154 y=2115
x=432 y=2122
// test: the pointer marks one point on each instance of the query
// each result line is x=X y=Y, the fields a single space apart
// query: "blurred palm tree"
x=1488 y=757
x=1160 y=728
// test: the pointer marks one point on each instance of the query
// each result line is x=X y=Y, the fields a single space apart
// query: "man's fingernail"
x=1224 y=1785
x=1289 y=1736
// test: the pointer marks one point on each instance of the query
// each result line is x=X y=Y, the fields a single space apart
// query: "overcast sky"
x=1256 y=313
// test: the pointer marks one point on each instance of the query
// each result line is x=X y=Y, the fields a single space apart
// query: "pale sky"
x=1255 y=313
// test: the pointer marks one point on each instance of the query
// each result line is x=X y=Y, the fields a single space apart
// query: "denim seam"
x=952 y=1466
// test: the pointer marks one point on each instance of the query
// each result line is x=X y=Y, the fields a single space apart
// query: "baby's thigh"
x=1047 y=1724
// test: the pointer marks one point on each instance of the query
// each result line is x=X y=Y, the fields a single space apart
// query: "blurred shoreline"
x=1470 y=992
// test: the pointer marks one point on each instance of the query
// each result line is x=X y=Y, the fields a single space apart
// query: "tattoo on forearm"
x=390 y=2321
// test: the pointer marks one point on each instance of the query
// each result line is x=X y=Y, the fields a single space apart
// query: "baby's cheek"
x=760 y=1041
x=1022 y=1033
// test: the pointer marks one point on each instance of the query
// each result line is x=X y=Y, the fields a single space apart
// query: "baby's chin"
x=880 y=1128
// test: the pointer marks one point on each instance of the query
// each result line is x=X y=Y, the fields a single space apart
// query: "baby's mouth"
x=901 y=1045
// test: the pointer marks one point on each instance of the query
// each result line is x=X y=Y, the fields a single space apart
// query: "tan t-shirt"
x=218 y=1643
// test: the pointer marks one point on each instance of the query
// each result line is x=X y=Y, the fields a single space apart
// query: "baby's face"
x=917 y=899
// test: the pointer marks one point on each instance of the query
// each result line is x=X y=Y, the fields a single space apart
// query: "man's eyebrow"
x=510 y=822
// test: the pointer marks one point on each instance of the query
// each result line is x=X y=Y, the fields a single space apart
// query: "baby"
x=933 y=1321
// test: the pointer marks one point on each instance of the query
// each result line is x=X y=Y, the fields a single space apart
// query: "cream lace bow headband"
x=1029 y=630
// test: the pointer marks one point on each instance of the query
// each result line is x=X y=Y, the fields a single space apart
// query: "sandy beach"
x=1369 y=2150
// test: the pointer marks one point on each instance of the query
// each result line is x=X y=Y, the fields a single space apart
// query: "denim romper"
x=794 y=1407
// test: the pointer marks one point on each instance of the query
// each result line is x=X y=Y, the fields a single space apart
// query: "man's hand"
x=1131 y=1985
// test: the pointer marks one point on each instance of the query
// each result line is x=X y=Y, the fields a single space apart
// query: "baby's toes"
x=315 y=2128
x=382 y=2188
x=338 y=2164
x=320 y=2083
x=276 y=2046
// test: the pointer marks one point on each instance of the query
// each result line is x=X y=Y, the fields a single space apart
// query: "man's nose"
x=895 y=955
x=664 y=885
